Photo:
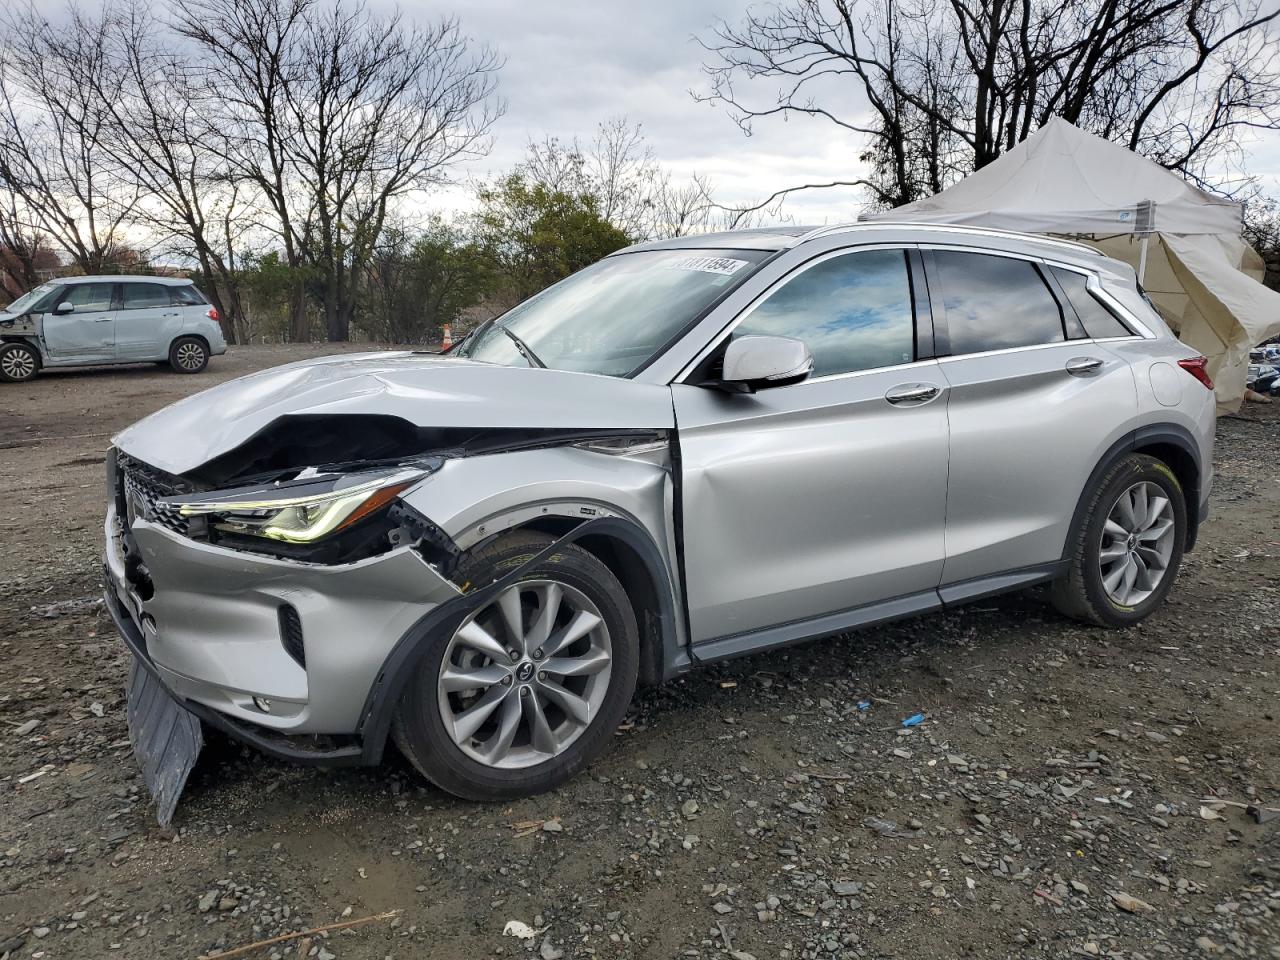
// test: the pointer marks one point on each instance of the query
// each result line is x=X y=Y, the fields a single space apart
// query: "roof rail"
x=949 y=228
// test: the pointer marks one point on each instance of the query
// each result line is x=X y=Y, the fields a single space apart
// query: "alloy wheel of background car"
x=1124 y=552
x=188 y=355
x=18 y=362
x=523 y=678
x=531 y=686
x=1137 y=542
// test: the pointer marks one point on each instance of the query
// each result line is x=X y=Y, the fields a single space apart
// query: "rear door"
x=87 y=332
x=825 y=495
x=146 y=322
x=1033 y=404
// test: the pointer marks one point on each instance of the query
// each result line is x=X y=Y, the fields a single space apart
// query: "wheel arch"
x=191 y=336
x=1172 y=445
x=621 y=544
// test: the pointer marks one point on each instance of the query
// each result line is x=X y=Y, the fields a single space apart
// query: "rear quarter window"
x=186 y=296
x=995 y=303
x=1097 y=320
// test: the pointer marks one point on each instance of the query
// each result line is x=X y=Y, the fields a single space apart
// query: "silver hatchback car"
x=83 y=321
x=692 y=450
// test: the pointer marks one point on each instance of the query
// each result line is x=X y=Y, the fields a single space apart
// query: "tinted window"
x=187 y=296
x=993 y=303
x=1098 y=321
x=87 y=297
x=853 y=312
x=139 y=295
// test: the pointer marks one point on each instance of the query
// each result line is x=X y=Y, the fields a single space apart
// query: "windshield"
x=614 y=316
x=24 y=302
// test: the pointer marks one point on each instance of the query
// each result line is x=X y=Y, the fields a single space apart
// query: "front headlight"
x=299 y=511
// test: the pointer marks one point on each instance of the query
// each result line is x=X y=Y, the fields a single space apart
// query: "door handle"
x=104 y=319
x=1083 y=366
x=912 y=393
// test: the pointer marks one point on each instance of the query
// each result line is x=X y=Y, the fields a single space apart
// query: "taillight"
x=212 y=314
x=1198 y=368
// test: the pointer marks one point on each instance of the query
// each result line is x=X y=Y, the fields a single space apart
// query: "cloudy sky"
x=573 y=63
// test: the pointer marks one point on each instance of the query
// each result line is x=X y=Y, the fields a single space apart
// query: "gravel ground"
x=1052 y=803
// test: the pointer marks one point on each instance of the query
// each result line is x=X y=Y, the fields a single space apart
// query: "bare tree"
x=621 y=172
x=158 y=134
x=334 y=115
x=952 y=84
x=52 y=125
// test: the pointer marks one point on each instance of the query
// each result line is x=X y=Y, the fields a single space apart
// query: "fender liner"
x=383 y=697
x=1170 y=433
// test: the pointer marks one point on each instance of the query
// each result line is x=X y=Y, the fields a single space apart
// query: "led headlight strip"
x=287 y=513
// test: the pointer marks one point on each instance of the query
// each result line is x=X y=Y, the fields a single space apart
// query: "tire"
x=582 y=584
x=188 y=355
x=19 y=362
x=1103 y=544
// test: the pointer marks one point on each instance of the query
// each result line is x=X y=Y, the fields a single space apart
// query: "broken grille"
x=144 y=487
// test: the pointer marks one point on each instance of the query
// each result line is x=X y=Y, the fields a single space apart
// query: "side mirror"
x=753 y=362
x=66 y=306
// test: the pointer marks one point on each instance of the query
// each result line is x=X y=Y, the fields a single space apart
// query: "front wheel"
x=19 y=362
x=1125 y=553
x=530 y=687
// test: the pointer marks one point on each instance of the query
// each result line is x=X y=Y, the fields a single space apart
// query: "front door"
x=85 y=333
x=825 y=495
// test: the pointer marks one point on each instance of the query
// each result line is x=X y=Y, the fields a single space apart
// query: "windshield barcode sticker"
x=721 y=265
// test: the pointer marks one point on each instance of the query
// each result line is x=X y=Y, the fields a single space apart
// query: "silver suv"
x=83 y=321
x=692 y=450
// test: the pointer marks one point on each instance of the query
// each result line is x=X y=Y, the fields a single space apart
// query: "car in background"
x=82 y=321
x=692 y=450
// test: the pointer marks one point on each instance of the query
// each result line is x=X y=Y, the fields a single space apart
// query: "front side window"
x=140 y=295
x=853 y=311
x=1096 y=319
x=87 y=297
x=613 y=317
x=994 y=303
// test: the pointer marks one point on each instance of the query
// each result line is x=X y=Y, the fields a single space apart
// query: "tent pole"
x=1142 y=260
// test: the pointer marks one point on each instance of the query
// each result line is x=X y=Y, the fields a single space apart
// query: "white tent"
x=1184 y=243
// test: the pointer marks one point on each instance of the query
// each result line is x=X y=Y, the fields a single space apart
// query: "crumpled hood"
x=426 y=390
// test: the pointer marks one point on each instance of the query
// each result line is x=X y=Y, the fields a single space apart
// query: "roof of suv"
x=126 y=278
x=781 y=238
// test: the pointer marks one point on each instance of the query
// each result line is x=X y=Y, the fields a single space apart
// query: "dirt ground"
x=1051 y=804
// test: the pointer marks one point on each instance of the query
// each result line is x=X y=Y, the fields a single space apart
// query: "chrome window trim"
x=1026 y=348
x=786 y=278
x=1123 y=314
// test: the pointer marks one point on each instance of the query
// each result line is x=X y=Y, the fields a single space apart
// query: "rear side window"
x=852 y=311
x=139 y=295
x=994 y=303
x=86 y=297
x=1097 y=320
x=186 y=296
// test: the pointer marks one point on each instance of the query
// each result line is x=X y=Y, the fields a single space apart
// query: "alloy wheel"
x=17 y=364
x=190 y=356
x=1137 y=543
x=524 y=676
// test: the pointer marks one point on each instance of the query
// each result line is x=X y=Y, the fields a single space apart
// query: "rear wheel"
x=18 y=362
x=188 y=355
x=531 y=686
x=1125 y=553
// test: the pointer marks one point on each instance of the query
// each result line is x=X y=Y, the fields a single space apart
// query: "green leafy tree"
x=535 y=235
x=413 y=286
